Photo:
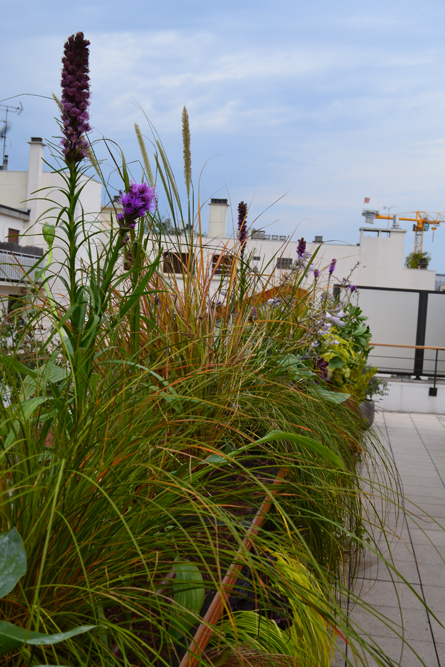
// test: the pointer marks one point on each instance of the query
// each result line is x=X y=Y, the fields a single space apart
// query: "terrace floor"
x=417 y=444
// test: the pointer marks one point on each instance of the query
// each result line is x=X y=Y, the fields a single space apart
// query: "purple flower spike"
x=242 y=226
x=301 y=248
x=316 y=274
x=75 y=98
x=139 y=200
x=332 y=266
x=353 y=288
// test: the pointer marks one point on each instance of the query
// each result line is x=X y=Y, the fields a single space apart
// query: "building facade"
x=28 y=199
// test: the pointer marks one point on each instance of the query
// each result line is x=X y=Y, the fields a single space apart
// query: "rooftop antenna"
x=388 y=208
x=4 y=130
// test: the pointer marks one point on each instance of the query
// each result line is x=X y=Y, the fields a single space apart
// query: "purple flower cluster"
x=75 y=98
x=316 y=274
x=332 y=266
x=242 y=226
x=139 y=200
x=302 y=255
x=301 y=248
x=353 y=288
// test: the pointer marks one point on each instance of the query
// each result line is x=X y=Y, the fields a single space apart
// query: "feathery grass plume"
x=187 y=151
x=57 y=101
x=92 y=158
x=144 y=154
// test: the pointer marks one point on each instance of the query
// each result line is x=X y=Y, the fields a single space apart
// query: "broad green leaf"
x=29 y=387
x=12 y=637
x=12 y=561
x=295 y=366
x=189 y=595
x=307 y=443
x=13 y=364
x=31 y=406
x=336 y=362
x=57 y=374
x=215 y=458
x=332 y=396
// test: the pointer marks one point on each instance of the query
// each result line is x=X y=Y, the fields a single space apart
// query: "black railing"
x=426 y=362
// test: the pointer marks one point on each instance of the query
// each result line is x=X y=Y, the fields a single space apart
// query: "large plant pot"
x=367 y=411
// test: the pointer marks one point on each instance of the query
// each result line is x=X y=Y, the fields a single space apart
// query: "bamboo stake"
x=204 y=632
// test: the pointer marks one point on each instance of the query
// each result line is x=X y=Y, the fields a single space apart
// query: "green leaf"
x=57 y=374
x=12 y=561
x=189 y=595
x=336 y=362
x=295 y=366
x=332 y=396
x=13 y=364
x=12 y=637
x=307 y=443
x=31 y=406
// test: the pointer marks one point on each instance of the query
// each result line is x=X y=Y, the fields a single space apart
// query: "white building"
x=376 y=261
x=26 y=200
x=24 y=206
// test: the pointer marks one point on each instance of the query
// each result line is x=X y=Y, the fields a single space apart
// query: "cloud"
x=321 y=100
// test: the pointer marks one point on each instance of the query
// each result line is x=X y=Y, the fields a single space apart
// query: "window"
x=14 y=302
x=284 y=263
x=176 y=262
x=13 y=235
x=225 y=264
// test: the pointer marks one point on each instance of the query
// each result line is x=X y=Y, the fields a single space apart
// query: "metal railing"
x=427 y=361
x=17 y=267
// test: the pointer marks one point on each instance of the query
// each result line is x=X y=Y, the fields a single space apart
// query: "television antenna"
x=4 y=130
x=388 y=208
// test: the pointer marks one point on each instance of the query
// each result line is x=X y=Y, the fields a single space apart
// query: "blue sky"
x=323 y=102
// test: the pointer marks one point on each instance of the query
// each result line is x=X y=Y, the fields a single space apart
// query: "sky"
x=300 y=109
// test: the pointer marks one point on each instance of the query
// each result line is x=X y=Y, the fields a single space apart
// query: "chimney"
x=4 y=166
x=395 y=222
x=218 y=218
x=36 y=148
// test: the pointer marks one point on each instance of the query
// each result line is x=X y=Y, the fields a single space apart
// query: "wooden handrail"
x=411 y=347
x=204 y=632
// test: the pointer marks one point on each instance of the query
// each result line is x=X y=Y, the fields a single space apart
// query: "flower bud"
x=49 y=233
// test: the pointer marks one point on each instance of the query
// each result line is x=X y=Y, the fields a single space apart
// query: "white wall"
x=17 y=190
x=409 y=396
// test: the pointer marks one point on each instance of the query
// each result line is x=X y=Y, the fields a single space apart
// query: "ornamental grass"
x=143 y=434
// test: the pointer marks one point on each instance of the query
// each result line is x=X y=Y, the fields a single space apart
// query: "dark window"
x=13 y=302
x=13 y=235
x=224 y=265
x=176 y=262
x=256 y=259
x=284 y=263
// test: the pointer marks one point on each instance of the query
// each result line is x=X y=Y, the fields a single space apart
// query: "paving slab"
x=416 y=444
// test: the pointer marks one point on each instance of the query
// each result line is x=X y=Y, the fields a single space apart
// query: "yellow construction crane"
x=421 y=219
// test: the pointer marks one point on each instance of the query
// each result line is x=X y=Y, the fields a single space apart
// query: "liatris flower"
x=316 y=274
x=332 y=266
x=139 y=200
x=301 y=248
x=75 y=98
x=242 y=227
x=303 y=256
